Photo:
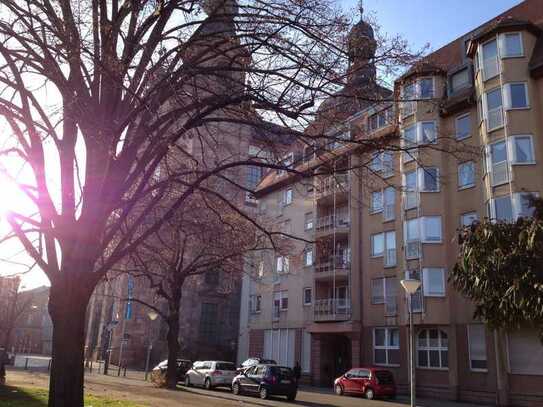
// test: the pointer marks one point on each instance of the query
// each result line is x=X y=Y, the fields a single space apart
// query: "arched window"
x=433 y=349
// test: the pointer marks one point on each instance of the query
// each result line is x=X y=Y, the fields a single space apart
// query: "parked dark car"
x=257 y=361
x=159 y=371
x=369 y=381
x=266 y=380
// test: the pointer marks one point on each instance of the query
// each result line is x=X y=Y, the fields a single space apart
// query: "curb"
x=255 y=402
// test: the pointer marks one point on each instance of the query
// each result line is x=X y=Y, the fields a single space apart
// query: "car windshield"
x=281 y=371
x=384 y=376
x=226 y=366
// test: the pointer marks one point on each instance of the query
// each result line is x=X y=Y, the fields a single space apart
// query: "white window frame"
x=492 y=207
x=374 y=210
x=512 y=153
x=491 y=165
x=517 y=203
x=389 y=208
x=419 y=87
x=421 y=180
x=502 y=47
x=456 y=120
x=287 y=196
x=282 y=264
x=410 y=151
x=465 y=85
x=306 y=289
x=508 y=96
x=385 y=253
x=482 y=60
x=426 y=281
x=308 y=254
x=410 y=192
x=386 y=347
x=309 y=221
x=476 y=369
x=487 y=111
x=378 y=299
x=284 y=296
x=462 y=165
x=372 y=237
x=440 y=348
x=422 y=230
x=416 y=241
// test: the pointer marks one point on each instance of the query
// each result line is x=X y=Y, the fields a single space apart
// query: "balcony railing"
x=338 y=220
x=331 y=184
x=332 y=263
x=391 y=306
x=332 y=309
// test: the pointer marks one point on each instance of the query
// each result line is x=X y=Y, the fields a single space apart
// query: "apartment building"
x=462 y=143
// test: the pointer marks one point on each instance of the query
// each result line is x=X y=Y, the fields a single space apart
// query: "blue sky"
x=436 y=22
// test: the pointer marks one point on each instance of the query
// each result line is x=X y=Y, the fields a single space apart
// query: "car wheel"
x=263 y=393
x=338 y=389
x=207 y=384
x=236 y=389
x=187 y=381
x=291 y=397
x=370 y=395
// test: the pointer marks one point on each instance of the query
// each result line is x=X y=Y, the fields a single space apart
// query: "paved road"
x=135 y=389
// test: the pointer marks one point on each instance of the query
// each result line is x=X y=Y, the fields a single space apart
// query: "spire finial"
x=361 y=8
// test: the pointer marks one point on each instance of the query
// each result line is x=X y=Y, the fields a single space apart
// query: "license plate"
x=285 y=381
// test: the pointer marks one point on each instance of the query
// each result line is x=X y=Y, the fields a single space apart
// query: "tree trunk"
x=173 y=350
x=68 y=301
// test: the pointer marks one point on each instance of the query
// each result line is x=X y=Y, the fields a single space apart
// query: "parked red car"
x=369 y=381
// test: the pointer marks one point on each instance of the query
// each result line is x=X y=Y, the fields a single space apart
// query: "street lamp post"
x=152 y=316
x=411 y=286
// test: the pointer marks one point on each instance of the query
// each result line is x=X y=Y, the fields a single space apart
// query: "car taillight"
x=216 y=373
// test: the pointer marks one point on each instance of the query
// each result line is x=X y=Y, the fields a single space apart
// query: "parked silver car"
x=210 y=374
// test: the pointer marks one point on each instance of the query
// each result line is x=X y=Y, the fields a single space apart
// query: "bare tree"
x=97 y=93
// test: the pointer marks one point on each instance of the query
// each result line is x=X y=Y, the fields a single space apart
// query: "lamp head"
x=152 y=315
x=410 y=285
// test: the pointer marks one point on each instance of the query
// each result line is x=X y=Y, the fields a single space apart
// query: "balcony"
x=338 y=222
x=333 y=266
x=332 y=309
x=336 y=184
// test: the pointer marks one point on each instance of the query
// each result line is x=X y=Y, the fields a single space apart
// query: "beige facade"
x=465 y=145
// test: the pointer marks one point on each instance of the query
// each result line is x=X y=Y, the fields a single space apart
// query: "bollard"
x=124 y=372
x=26 y=363
x=49 y=365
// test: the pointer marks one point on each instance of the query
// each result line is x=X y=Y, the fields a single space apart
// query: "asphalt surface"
x=135 y=389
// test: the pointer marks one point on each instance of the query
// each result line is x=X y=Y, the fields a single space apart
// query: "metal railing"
x=331 y=184
x=332 y=309
x=332 y=263
x=338 y=220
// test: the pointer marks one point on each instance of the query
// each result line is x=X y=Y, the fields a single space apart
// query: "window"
x=433 y=282
x=410 y=188
x=426 y=88
x=376 y=163
x=503 y=208
x=432 y=349
x=308 y=221
x=380 y=119
x=280 y=303
x=431 y=229
x=209 y=323
x=428 y=133
x=489 y=60
x=287 y=196
x=308 y=256
x=383 y=162
x=307 y=296
x=384 y=290
x=389 y=198
x=516 y=96
x=282 y=264
x=377 y=245
x=522 y=204
x=494 y=111
x=521 y=150
x=378 y=291
x=255 y=303
x=260 y=271
x=467 y=219
x=466 y=175
x=390 y=248
x=408 y=95
x=525 y=352
x=463 y=127
x=253 y=176
x=376 y=201
x=279 y=345
x=498 y=160
x=416 y=301
x=429 y=179
x=211 y=277
x=409 y=141
x=460 y=80
x=306 y=352
x=412 y=238
x=511 y=45
x=386 y=346
x=477 y=347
